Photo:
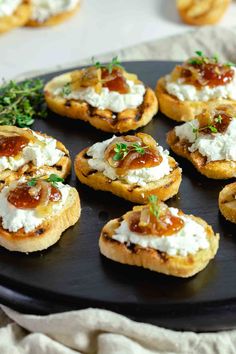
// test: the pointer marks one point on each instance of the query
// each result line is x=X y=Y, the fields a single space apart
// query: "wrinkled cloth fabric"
x=95 y=331
x=98 y=331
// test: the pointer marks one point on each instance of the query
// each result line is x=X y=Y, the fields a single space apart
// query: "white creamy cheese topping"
x=140 y=176
x=189 y=240
x=8 y=7
x=107 y=99
x=186 y=92
x=14 y=219
x=40 y=155
x=216 y=147
x=43 y=9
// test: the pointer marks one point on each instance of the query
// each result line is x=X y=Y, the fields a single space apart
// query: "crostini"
x=196 y=85
x=208 y=142
x=13 y=13
x=35 y=212
x=227 y=202
x=24 y=152
x=131 y=167
x=106 y=96
x=50 y=13
x=161 y=239
x=204 y=12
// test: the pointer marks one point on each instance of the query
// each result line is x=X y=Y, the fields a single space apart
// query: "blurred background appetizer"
x=195 y=85
x=106 y=96
x=202 y=12
x=161 y=239
x=14 y=13
x=51 y=12
x=34 y=212
x=227 y=202
x=208 y=142
x=132 y=167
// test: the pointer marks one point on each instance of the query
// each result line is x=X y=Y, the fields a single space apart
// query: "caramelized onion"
x=45 y=191
x=144 y=217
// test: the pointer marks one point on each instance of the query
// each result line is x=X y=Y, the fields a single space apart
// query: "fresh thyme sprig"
x=211 y=127
x=153 y=206
x=122 y=150
x=53 y=179
x=203 y=59
x=114 y=63
x=20 y=103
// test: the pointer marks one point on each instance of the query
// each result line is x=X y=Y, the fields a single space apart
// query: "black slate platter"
x=73 y=275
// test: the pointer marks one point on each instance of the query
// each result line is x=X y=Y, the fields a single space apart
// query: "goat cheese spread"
x=14 y=219
x=43 y=9
x=186 y=92
x=8 y=7
x=40 y=155
x=189 y=240
x=107 y=99
x=140 y=176
x=216 y=147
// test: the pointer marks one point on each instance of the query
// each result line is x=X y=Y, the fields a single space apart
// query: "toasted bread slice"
x=62 y=168
x=17 y=19
x=164 y=188
x=53 y=20
x=214 y=169
x=104 y=119
x=152 y=259
x=46 y=234
x=203 y=12
x=227 y=202
x=183 y=111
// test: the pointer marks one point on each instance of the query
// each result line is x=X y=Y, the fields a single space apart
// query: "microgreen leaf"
x=32 y=182
x=53 y=179
x=153 y=205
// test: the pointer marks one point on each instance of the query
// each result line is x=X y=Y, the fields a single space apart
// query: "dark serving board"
x=73 y=275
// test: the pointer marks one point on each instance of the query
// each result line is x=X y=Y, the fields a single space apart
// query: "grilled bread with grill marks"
x=104 y=119
x=213 y=169
x=156 y=260
x=46 y=234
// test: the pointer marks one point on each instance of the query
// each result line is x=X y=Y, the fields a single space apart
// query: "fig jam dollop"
x=166 y=225
x=114 y=81
x=23 y=198
x=207 y=74
x=12 y=145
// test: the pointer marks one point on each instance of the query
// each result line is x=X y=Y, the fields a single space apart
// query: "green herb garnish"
x=20 y=103
x=66 y=90
x=114 y=63
x=203 y=59
x=122 y=150
x=53 y=179
x=153 y=206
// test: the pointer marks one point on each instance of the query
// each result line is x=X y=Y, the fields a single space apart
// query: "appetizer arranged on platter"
x=51 y=12
x=35 y=212
x=24 y=152
x=106 y=96
x=205 y=12
x=13 y=13
x=196 y=85
x=208 y=142
x=132 y=167
x=161 y=239
x=227 y=202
